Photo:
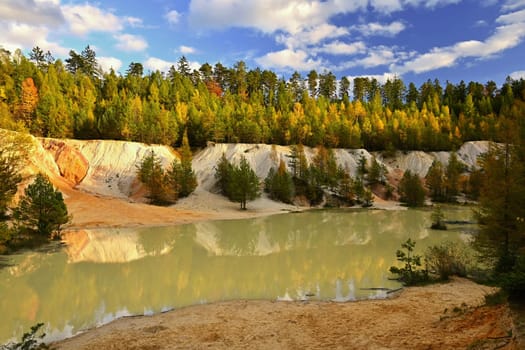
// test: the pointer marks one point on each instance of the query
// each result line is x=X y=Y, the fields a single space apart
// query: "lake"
x=99 y=275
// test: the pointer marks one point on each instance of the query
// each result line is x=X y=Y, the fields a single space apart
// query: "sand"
x=444 y=316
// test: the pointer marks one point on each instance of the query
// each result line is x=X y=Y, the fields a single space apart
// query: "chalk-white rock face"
x=113 y=164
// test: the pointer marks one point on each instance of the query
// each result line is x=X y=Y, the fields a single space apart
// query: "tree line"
x=74 y=98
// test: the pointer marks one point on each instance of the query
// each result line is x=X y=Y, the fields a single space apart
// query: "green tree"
x=41 y=212
x=410 y=273
x=501 y=209
x=279 y=184
x=452 y=173
x=435 y=181
x=224 y=171
x=376 y=172
x=14 y=148
x=411 y=190
x=182 y=177
x=151 y=173
x=438 y=219
x=246 y=184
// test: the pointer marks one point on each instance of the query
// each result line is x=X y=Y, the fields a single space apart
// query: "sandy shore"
x=92 y=211
x=444 y=316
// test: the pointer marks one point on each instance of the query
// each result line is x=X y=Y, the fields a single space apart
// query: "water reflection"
x=103 y=274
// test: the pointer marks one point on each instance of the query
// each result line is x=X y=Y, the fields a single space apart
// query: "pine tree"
x=411 y=190
x=14 y=148
x=435 y=181
x=181 y=175
x=376 y=172
x=41 y=211
x=452 y=173
x=245 y=184
x=224 y=175
x=279 y=184
x=152 y=175
x=501 y=207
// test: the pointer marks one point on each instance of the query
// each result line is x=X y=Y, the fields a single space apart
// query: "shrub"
x=447 y=259
x=410 y=274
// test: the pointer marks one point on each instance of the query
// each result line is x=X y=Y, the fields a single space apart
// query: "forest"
x=74 y=98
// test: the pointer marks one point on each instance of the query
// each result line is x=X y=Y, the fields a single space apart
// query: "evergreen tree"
x=152 y=175
x=376 y=172
x=181 y=175
x=435 y=181
x=279 y=184
x=41 y=211
x=411 y=190
x=13 y=150
x=245 y=184
x=502 y=208
x=224 y=172
x=346 y=189
x=452 y=173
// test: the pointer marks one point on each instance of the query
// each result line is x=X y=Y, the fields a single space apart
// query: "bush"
x=438 y=218
x=409 y=274
x=514 y=282
x=447 y=259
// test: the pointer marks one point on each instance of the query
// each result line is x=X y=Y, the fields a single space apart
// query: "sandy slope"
x=445 y=316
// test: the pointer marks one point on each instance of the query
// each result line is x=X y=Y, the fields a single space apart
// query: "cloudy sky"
x=451 y=40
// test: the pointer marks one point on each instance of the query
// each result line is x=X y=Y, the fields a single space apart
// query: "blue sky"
x=453 y=40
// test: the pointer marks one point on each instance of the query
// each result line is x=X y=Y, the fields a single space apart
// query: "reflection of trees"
x=238 y=236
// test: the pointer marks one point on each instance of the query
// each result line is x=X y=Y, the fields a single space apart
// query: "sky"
x=417 y=40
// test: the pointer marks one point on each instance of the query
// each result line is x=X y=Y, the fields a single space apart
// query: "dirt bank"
x=444 y=316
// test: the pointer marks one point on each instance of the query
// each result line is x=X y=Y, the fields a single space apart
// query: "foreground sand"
x=444 y=316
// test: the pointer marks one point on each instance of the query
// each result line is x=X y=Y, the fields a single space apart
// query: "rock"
x=71 y=163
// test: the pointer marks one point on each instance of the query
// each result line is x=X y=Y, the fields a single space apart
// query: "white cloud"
x=87 y=18
x=311 y=36
x=289 y=60
x=386 y=6
x=154 y=64
x=134 y=22
x=186 y=49
x=268 y=16
x=377 y=57
x=518 y=75
x=430 y=3
x=24 y=36
x=128 y=42
x=506 y=36
x=340 y=48
x=31 y=12
x=511 y=5
x=172 y=17
x=481 y=23
x=375 y=28
x=513 y=17
x=106 y=63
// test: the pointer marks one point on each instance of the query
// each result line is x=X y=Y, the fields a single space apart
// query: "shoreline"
x=422 y=317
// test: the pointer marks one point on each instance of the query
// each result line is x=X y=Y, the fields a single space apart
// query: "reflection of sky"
x=104 y=274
